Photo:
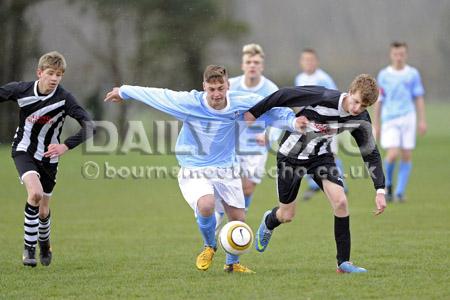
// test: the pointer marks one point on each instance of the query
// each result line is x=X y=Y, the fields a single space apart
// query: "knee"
x=35 y=197
x=206 y=208
x=341 y=203
x=285 y=216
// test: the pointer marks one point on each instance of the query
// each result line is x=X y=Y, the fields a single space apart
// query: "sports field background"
x=131 y=238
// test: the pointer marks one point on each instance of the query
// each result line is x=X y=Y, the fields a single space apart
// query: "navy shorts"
x=25 y=163
x=290 y=172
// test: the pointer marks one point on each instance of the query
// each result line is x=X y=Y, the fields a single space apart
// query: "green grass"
x=136 y=238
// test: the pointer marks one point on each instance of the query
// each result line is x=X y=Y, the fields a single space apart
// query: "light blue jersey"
x=247 y=139
x=208 y=136
x=399 y=89
x=319 y=77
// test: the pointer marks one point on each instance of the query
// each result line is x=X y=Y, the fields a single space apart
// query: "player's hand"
x=422 y=127
x=55 y=150
x=261 y=139
x=113 y=96
x=249 y=118
x=301 y=123
x=380 y=202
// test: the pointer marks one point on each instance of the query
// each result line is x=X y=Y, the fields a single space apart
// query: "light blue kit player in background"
x=205 y=149
x=253 y=146
x=312 y=75
x=399 y=111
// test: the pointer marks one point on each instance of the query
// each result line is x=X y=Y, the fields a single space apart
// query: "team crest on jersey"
x=40 y=120
x=325 y=128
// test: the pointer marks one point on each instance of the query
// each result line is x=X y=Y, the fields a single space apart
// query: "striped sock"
x=44 y=228
x=31 y=225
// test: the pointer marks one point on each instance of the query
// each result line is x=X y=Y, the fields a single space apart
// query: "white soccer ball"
x=236 y=237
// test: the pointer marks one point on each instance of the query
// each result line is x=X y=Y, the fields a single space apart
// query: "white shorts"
x=253 y=167
x=224 y=183
x=399 y=132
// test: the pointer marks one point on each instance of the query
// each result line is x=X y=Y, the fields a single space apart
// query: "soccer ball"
x=236 y=237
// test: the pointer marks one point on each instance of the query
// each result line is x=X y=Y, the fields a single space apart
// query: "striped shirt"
x=327 y=118
x=41 y=118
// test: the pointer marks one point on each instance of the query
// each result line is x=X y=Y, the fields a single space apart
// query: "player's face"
x=216 y=93
x=353 y=104
x=252 y=66
x=308 y=62
x=49 y=79
x=398 y=56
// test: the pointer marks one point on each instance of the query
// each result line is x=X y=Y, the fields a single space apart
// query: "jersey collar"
x=342 y=112
x=42 y=98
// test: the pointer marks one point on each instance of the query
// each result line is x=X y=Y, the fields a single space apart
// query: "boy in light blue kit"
x=400 y=109
x=313 y=75
x=205 y=149
x=253 y=147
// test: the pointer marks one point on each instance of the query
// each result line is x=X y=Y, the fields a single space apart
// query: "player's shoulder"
x=412 y=70
x=322 y=74
x=243 y=100
x=21 y=86
x=270 y=85
x=235 y=81
x=383 y=71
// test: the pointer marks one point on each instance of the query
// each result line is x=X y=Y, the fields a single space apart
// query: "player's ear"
x=38 y=73
x=204 y=86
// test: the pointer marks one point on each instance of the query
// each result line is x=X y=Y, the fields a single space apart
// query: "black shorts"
x=290 y=172
x=26 y=163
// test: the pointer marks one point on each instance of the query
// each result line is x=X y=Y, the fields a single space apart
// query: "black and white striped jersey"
x=41 y=118
x=323 y=108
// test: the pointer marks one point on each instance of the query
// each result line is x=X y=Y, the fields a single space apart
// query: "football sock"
x=207 y=226
x=342 y=237
x=404 y=170
x=44 y=228
x=271 y=219
x=389 y=167
x=311 y=183
x=31 y=225
x=248 y=200
x=231 y=259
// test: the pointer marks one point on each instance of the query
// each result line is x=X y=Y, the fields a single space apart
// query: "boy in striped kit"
x=36 y=148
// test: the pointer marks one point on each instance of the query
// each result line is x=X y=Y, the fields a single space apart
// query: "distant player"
x=402 y=110
x=205 y=149
x=312 y=75
x=44 y=105
x=326 y=113
x=252 y=151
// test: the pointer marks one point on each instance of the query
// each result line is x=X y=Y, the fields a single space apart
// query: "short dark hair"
x=215 y=73
x=309 y=50
x=398 y=44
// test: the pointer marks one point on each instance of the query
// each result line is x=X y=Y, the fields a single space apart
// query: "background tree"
x=17 y=46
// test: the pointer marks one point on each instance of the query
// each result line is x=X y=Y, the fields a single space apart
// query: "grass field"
x=136 y=238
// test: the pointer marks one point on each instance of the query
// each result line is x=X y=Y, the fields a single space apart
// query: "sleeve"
x=279 y=117
x=417 y=88
x=289 y=97
x=7 y=92
x=176 y=104
x=87 y=130
x=364 y=139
